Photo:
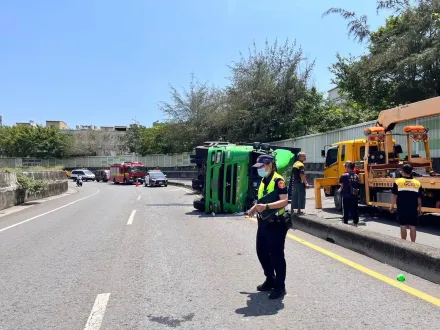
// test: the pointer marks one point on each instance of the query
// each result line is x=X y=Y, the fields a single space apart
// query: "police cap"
x=263 y=159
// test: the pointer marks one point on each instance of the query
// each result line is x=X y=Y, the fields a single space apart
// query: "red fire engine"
x=128 y=172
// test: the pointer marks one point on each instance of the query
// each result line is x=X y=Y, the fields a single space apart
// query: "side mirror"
x=323 y=153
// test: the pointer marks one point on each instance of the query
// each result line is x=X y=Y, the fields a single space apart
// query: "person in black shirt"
x=349 y=191
x=407 y=195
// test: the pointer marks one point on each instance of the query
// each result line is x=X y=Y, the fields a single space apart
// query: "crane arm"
x=389 y=118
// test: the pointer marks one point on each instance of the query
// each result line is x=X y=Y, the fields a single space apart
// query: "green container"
x=401 y=278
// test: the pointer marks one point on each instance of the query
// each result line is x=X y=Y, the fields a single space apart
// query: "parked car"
x=102 y=175
x=156 y=178
x=86 y=175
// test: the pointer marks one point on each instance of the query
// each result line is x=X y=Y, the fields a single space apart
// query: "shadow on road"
x=259 y=304
x=209 y=215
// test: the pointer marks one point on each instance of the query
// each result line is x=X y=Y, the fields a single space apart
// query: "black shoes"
x=277 y=293
x=268 y=285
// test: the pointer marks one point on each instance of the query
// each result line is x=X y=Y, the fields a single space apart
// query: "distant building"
x=87 y=127
x=333 y=94
x=56 y=124
x=31 y=123
x=121 y=128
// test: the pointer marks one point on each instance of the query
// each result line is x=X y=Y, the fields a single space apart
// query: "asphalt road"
x=121 y=257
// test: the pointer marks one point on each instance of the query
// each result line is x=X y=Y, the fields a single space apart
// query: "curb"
x=417 y=259
x=180 y=184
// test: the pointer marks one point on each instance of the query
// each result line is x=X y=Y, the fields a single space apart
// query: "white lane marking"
x=98 y=311
x=130 y=219
x=139 y=197
x=51 y=211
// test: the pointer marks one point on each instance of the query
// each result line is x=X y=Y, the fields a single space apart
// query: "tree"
x=194 y=115
x=131 y=139
x=39 y=141
x=155 y=140
x=337 y=115
x=96 y=143
x=403 y=63
x=271 y=97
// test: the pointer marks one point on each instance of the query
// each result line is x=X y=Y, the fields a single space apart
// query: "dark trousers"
x=298 y=196
x=350 y=207
x=270 y=250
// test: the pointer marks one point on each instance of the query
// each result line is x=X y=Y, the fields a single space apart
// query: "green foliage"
x=39 y=142
x=403 y=63
x=31 y=185
x=155 y=140
x=132 y=138
x=195 y=115
x=270 y=97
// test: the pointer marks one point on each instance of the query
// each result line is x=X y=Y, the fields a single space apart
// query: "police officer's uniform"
x=271 y=236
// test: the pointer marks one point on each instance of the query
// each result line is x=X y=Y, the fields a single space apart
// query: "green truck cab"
x=226 y=179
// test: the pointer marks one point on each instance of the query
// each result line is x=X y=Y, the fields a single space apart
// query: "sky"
x=105 y=63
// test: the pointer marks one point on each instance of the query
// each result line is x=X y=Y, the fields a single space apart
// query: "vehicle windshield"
x=138 y=169
x=155 y=175
x=86 y=172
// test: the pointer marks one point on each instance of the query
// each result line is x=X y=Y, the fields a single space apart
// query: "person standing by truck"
x=272 y=228
x=350 y=189
x=299 y=184
x=407 y=195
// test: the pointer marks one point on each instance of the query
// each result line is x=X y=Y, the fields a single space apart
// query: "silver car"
x=86 y=175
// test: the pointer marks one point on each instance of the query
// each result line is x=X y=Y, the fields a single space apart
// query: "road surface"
x=120 y=257
x=428 y=233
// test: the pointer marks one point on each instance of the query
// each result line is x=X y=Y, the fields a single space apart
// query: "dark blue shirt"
x=346 y=179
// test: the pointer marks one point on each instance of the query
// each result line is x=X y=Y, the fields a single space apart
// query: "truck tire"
x=338 y=200
x=199 y=205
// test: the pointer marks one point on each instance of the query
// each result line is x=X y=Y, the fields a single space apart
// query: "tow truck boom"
x=389 y=118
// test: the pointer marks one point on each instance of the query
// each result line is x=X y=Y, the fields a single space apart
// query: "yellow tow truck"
x=378 y=159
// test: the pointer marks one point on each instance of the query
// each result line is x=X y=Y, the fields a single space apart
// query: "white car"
x=86 y=175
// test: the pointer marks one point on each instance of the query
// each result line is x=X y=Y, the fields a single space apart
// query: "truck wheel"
x=338 y=200
x=199 y=205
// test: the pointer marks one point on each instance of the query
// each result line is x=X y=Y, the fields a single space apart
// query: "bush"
x=31 y=185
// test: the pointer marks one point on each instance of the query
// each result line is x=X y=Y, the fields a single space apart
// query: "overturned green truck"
x=226 y=179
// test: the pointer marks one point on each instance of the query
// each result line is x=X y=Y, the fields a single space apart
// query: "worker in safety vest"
x=272 y=228
x=299 y=184
x=407 y=196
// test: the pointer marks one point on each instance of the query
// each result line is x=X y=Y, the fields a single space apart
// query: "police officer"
x=271 y=234
x=349 y=182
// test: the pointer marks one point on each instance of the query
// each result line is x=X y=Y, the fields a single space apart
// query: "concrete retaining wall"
x=11 y=194
x=417 y=259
